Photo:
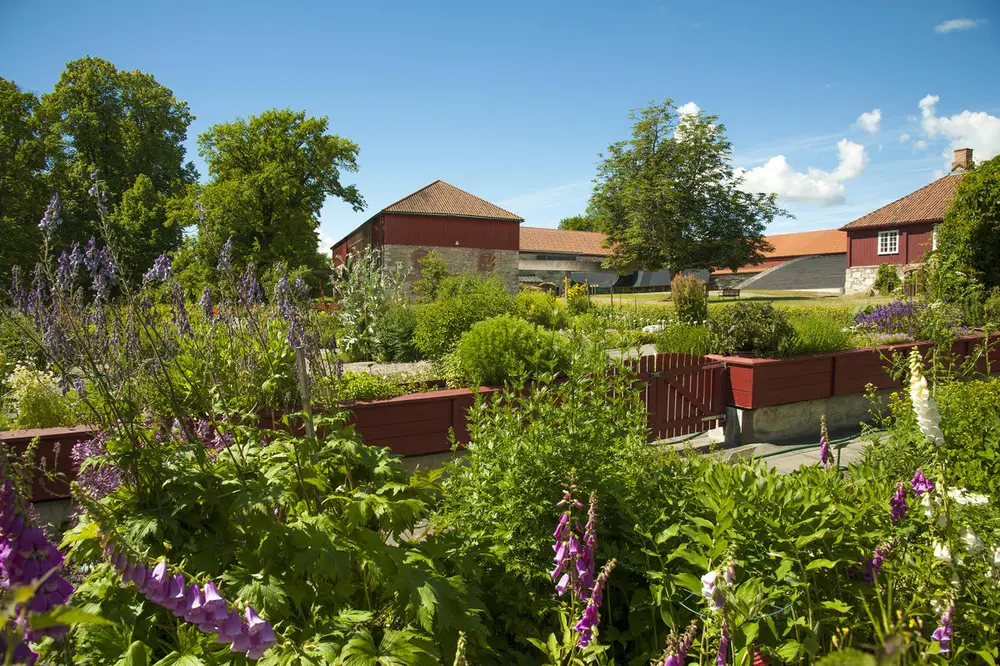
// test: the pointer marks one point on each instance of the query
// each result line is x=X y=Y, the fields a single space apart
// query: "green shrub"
x=690 y=297
x=462 y=301
x=886 y=280
x=36 y=401
x=507 y=348
x=970 y=233
x=353 y=386
x=751 y=327
x=433 y=269
x=393 y=335
x=541 y=308
x=817 y=333
x=991 y=308
x=684 y=339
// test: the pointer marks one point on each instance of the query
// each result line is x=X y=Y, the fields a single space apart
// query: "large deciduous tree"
x=586 y=222
x=130 y=130
x=270 y=176
x=971 y=229
x=668 y=197
x=23 y=154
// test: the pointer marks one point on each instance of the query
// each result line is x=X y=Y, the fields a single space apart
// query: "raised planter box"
x=768 y=382
x=54 y=449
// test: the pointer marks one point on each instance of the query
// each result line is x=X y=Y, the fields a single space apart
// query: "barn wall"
x=441 y=231
x=914 y=242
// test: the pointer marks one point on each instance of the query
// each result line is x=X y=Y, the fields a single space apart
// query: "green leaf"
x=136 y=655
x=821 y=564
x=64 y=615
x=750 y=632
x=836 y=605
x=987 y=656
x=177 y=659
x=790 y=651
x=688 y=581
x=783 y=569
x=807 y=539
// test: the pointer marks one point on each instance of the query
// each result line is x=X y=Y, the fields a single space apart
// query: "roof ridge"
x=905 y=196
x=413 y=193
x=479 y=198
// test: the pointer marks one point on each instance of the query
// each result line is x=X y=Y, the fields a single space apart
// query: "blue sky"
x=514 y=100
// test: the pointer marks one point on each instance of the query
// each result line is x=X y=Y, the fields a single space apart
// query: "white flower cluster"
x=962 y=496
x=924 y=406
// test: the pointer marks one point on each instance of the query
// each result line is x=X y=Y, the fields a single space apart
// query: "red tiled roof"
x=441 y=198
x=536 y=239
x=804 y=243
x=928 y=204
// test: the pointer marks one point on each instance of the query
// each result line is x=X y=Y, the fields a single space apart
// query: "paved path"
x=783 y=458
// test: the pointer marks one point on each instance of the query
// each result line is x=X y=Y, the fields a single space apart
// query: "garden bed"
x=767 y=382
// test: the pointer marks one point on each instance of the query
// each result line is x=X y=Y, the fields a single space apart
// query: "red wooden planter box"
x=53 y=455
x=766 y=382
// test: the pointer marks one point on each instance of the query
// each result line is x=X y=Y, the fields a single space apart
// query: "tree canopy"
x=668 y=197
x=270 y=176
x=971 y=228
x=23 y=191
x=585 y=222
x=129 y=130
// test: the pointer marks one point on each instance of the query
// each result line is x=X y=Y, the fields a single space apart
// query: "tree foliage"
x=271 y=174
x=583 y=222
x=971 y=229
x=23 y=152
x=668 y=197
x=129 y=130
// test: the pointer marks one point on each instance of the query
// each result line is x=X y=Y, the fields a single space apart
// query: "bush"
x=505 y=348
x=393 y=335
x=577 y=298
x=886 y=280
x=541 y=308
x=36 y=401
x=751 y=327
x=462 y=301
x=991 y=308
x=970 y=233
x=817 y=333
x=433 y=269
x=690 y=297
x=684 y=339
x=364 y=288
x=354 y=386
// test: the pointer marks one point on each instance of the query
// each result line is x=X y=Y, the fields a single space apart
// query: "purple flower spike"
x=241 y=643
x=158 y=583
x=175 y=593
x=898 y=503
x=230 y=628
x=139 y=575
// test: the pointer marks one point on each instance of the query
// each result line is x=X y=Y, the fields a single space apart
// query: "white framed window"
x=888 y=242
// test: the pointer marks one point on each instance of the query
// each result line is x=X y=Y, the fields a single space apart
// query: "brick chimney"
x=963 y=159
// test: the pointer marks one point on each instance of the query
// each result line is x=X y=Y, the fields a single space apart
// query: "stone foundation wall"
x=460 y=260
x=861 y=278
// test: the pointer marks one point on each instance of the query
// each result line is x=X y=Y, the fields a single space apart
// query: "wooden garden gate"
x=684 y=393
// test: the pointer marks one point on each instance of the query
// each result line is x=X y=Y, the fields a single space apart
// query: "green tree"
x=23 y=192
x=970 y=232
x=270 y=176
x=668 y=197
x=579 y=223
x=130 y=129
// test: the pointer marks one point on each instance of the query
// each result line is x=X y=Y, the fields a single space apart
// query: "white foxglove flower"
x=962 y=497
x=972 y=543
x=941 y=552
x=924 y=406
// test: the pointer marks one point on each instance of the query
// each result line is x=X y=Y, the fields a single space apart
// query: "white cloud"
x=969 y=129
x=815 y=185
x=956 y=24
x=326 y=241
x=920 y=145
x=904 y=137
x=689 y=109
x=870 y=120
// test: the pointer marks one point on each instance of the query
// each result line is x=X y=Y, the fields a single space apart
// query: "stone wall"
x=460 y=260
x=858 y=279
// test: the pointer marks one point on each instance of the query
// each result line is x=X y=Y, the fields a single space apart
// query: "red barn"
x=902 y=232
x=470 y=233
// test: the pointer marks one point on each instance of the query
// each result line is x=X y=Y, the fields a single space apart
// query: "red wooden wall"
x=914 y=241
x=442 y=231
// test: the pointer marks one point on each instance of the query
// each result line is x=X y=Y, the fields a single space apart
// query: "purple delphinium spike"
x=897 y=503
x=51 y=219
x=921 y=484
x=943 y=633
x=591 y=615
x=206 y=303
x=226 y=255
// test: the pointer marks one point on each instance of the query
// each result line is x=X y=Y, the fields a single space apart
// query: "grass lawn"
x=784 y=299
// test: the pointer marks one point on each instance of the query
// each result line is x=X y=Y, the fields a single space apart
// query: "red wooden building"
x=902 y=232
x=470 y=233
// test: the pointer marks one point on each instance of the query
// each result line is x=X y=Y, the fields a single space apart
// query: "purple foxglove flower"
x=723 y=654
x=138 y=575
x=231 y=627
x=241 y=643
x=129 y=569
x=825 y=457
x=175 y=593
x=591 y=616
x=254 y=622
x=730 y=574
x=191 y=609
x=920 y=483
x=943 y=633
x=214 y=602
x=561 y=527
x=562 y=584
x=208 y=625
x=898 y=503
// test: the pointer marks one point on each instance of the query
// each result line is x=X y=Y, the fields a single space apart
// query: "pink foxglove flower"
x=591 y=616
